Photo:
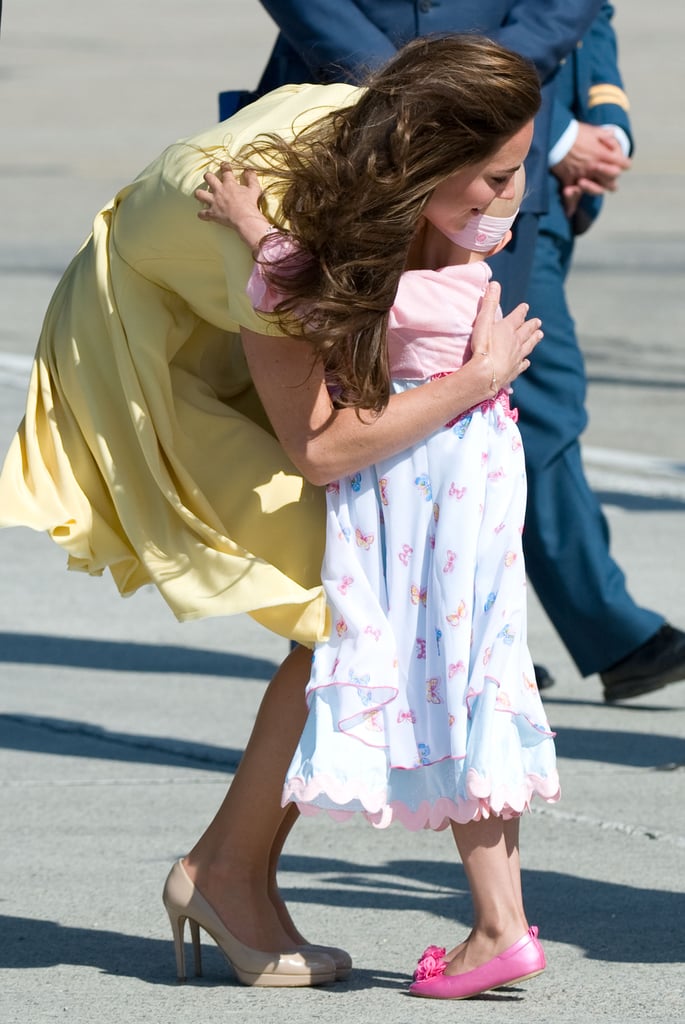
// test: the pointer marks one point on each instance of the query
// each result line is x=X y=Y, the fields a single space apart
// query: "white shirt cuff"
x=621 y=137
x=563 y=145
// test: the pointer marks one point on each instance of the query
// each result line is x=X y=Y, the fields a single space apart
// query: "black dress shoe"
x=659 y=661
x=543 y=677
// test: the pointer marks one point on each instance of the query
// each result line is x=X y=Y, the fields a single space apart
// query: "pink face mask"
x=482 y=233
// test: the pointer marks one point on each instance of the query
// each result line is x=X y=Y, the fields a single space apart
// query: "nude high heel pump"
x=340 y=957
x=290 y=969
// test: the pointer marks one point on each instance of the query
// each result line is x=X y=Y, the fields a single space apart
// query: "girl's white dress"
x=423 y=705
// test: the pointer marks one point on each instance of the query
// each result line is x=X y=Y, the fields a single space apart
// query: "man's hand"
x=594 y=164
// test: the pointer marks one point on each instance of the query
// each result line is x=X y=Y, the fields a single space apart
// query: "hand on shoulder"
x=233 y=203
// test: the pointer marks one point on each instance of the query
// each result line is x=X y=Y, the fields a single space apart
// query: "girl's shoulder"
x=417 y=287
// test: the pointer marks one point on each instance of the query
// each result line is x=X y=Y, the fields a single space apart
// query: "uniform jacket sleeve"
x=333 y=38
x=348 y=34
x=545 y=31
x=590 y=86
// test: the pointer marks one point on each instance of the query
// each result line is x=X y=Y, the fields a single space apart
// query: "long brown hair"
x=353 y=184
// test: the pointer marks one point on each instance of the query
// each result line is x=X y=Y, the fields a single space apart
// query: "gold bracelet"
x=493 y=381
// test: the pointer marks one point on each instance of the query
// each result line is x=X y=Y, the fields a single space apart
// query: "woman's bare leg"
x=289 y=818
x=489 y=852
x=233 y=862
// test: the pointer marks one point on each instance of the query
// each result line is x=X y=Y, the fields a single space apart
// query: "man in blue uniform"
x=572 y=44
x=566 y=541
x=333 y=40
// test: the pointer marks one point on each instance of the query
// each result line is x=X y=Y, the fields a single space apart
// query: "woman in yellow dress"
x=176 y=437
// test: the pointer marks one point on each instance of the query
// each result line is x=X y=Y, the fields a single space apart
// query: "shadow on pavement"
x=66 y=738
x=29 y=943
x=607 y=921
x=26 y=943
x=636 y=749
x=116 y=656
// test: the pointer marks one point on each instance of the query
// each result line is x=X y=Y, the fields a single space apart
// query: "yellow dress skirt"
x=144 y=448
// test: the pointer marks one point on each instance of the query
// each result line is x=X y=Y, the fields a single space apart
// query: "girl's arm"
x=325 y=443
x=233 y=202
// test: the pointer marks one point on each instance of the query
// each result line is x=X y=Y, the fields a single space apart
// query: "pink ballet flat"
x=521 y=961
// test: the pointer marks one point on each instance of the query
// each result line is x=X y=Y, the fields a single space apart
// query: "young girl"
x=422 y=703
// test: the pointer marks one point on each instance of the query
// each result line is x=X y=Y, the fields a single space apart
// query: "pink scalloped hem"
x=324 y=795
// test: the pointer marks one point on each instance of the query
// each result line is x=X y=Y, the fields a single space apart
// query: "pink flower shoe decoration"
x=521 y=961
x=431 y=963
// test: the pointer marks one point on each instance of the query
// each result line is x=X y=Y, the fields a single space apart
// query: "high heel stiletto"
x=291 y=969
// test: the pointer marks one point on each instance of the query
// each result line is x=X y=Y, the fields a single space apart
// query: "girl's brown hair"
x=353 y=184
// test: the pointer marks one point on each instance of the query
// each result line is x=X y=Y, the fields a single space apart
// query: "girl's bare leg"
x=233 y=863
x=511 y=838
x=489 y=852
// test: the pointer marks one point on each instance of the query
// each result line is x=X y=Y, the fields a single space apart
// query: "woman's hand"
x=233 y=203
x=506 y=343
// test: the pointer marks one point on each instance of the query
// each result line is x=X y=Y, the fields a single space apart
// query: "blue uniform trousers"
x=581 y=588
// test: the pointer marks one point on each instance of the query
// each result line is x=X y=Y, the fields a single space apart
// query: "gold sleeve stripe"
x=608 y=94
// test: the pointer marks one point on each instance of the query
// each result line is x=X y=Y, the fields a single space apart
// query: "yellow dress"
x=144 y=448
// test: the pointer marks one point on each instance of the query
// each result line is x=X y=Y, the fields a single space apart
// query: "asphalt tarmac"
x=120 y=728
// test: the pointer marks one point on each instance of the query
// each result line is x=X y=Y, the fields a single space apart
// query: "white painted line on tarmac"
x=651 y=476
x=632 y=461
x=15 y=370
